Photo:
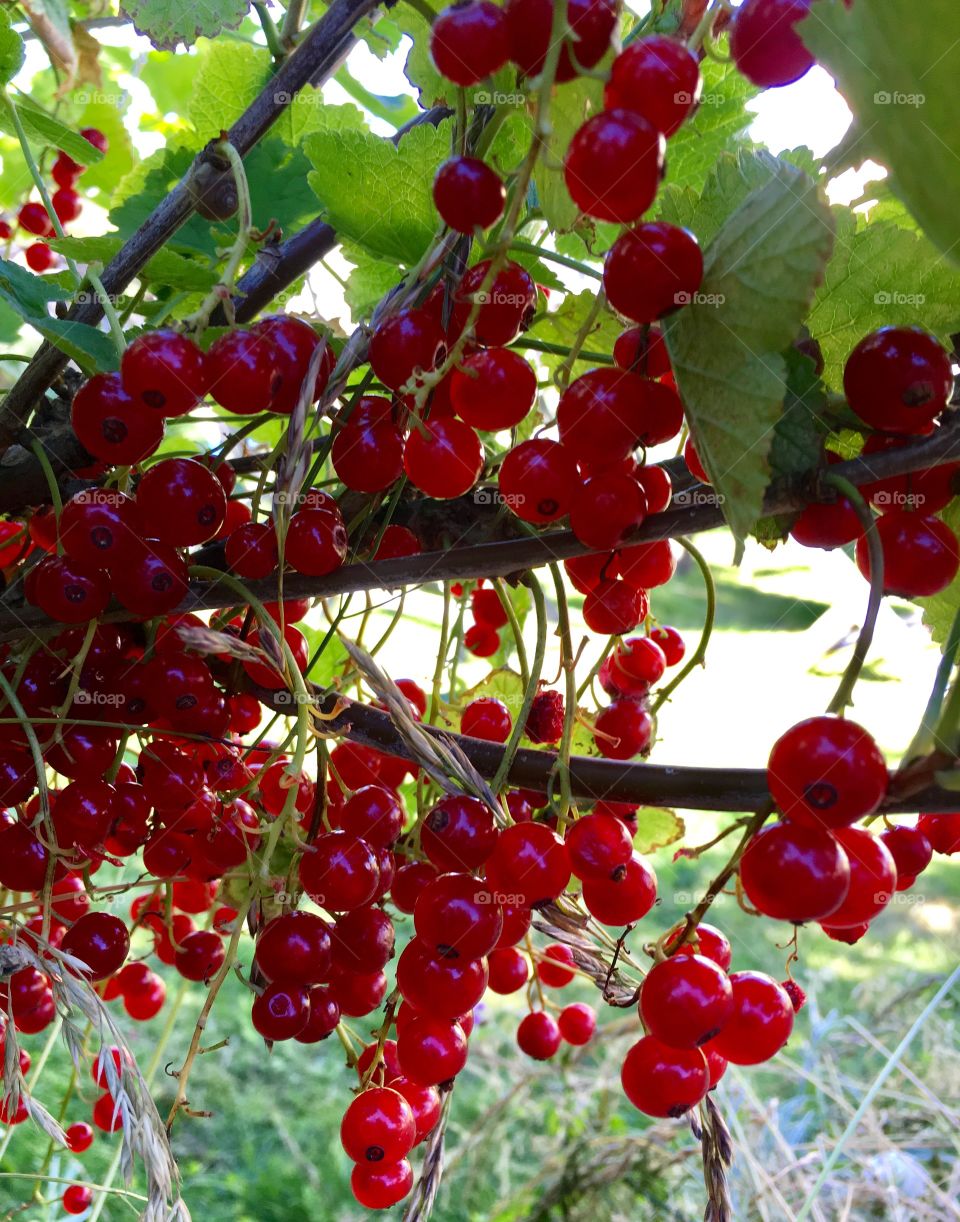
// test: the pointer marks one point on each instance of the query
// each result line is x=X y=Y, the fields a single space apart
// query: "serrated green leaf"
x=369 y=282
x=94 y=351
x=378 y=196
x=165 y=268
x=656 y=828
x=730 y=181
x=880 y=274
x=11 y=49
x=900 y=82
x=718 y=125
x=940 y=610
x=772 y=531
x=229 y=77
x=170 y=78
x=759 y=276
x=45 y=129
x=167 y=23
x=798 y=433
x=570 y=109
x=31 y=294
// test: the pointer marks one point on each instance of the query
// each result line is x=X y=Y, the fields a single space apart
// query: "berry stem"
x=504 y=595
x=553 y=256
x=844 y=693
x=539 y=345
x=567 y=664
x=927 y=737
x=270 y=31
x=698 y=657
x=530 y=690
x=113 y=318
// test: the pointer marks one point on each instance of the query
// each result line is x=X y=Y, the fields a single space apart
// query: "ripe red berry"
x=921 y=555
x=625 y=896
x=381 y=1185
x=642 y=350
x=555 y=969
x=538 y=479
x=68 y=590
x=458 y=834
x=77 y=1199
x=481 y=640
x=163 y=371
x=65 y=171
x=597 y=845
x=79 y=1136
x=367 y=453
x=873 y=878
x=110 y=425
x=375 y=814
x=910 y=850
x=281 y=1011
x=671 y=642
x=99 y=940
x=294 y=949
x=431 y=1049
x=446 y=988
x=826 y=772
x=509 y=970
x=181 y=502
x=468 y=41
x=200 y=955
x=623 y=729
x=761 y=1021
x=94 y=136
x=943 y=832
x=378 y=1126
x=613 y=166
x=39 y=257
x=493 y=389
x=614 y=608
x=601 y=415
x=242 y=371
x=251 y=550
x=445 y=460
x=539 y=1035
x=316 y=542
x=827 y=526
x=710 y=943
x=405 y=345
x=294 y=343
x=506 y=305
x=457 y=918
x=323 y=1018
x=685 y=1000
x=793 y=872
x=898 y=379
x=659 y=78
x=529 y=23
x=642 y=658
x=652 y=270
x=487 y=718
x=662 y=1081
x=99 y=526
x=153 y=582
x=341 y=873
x=577 y=1023
x=606 y=509
x=66 y=204
x=529 y=864
x=34 y=218
x=468 y=194
x=765 y=44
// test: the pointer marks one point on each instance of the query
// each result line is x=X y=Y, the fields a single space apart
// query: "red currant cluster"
x=33 y=217
x=898 y=380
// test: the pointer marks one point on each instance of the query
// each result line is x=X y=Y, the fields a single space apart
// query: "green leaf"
x=94 y=351
x=940 y=610
x=29 y=294
x=728 y=184
x=230 y=76
x=42 y=127
x=369 y=282
x=798 y=433
x=562 y=325
x=656 y=828
x=759 y=276
x=11 y=49
x=165 y=268
x=170 y=22
x=899 y=76
x=170 y=78
x=120 y=157
x=570 y=109
x=375 y=195
x=880 y=274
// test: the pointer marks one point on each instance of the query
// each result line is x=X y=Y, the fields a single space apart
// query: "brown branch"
x=317 y=57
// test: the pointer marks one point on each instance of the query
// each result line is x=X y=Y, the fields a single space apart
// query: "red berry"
x=432 y=1049
x=408 y=883
x=509 y=971
x=921 y=555
x=341 y=873
x=294 y=949
x=163 y=371
x=77 y=1199
x=363 y=941
x=69 y=590
x=506 y=305
x=94 y=136
x=827 y=526
x=65 y=171
x=662 y=1081
x=613 y=166
x=316 y=542
x=487 y=608
x=623 y=729
x=493 y=389
x=910 y=850
x=381 y=1185
x=424 y=1103
x=555 y=969
x=242 y=371
x=625 y=896
x=761 y=1021
x=66 y=204
x=458 y=834
x=898 y=379
x=375 y=814
x=943 y=832
x=106 y=1115
x=445 y=460
x=110 y=425
x=614 y=608
x=468 y=41
x=468 y=194
x=652 y=270
x=606 y=509
x=710 y=943
x=538 y=480
x=659 y=78
x=367 y=451
x=281 y=1011
x=34 y=218
x=100 y=941
x=642 y=350
x=378 y=1126
x=323 y=1018
x=671 y=642
x=481 y=640
x=529 y=864
x=685 y=1000
x=200 y=955
x=642 y=658
x=577 y=1023
x=487 y=718
x=99 y=526
x=539 y=1035
x=873 y=878
x=405 y=345
x=826 y=772
x=181 y=502
x=765 y=44
x=606 y=413
x=39 y=257
x=153 y=582
x=79 y=1136
x=597 y=845
x=251 y=550
x=793 y=872
x=530 y=22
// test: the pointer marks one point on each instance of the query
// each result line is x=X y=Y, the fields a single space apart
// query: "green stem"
x=699 y=654
x=533 y=683
x=553 y=256
x=539 y=345
x=52 y=486
x=844 y=693
x=515 y=628
x=39 y=182
x=116 y=329
x=876 y=1086
x=567 y=663
x=270 y=31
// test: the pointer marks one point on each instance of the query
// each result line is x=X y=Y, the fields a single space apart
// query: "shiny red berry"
x=529 y=22
x=468 y=194
x=793 y=872
x=493 y=389
x=181 y=502
x=662 y=1081
x=539 y=1035
x=110 y=425
x=873 y=878
x=163 y=371
x=765 y=43
x=826 y=772
x=659 y=78
x=625 y=896
x=760 y=1023
x=685 y=1000
x=613 y=166
x=445 y=460
x=378 y=1126
x=652 y=270
x=469 y=42
x=921 y=555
